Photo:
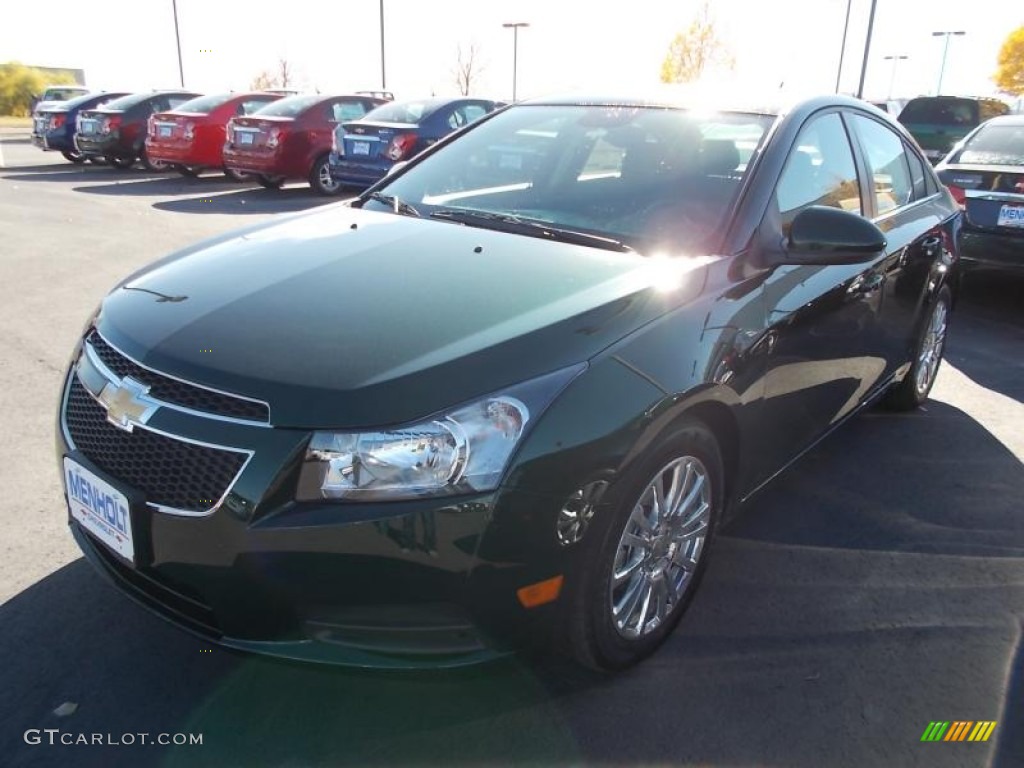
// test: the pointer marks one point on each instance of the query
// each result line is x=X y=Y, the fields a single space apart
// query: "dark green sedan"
x=509 y=395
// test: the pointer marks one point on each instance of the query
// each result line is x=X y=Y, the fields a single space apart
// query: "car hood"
x=348 y=318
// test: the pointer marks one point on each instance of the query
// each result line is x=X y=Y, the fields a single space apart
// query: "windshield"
x=289 y=107
x=204 y=105
x=995 y=145
x=408 y=112
x=649 y=178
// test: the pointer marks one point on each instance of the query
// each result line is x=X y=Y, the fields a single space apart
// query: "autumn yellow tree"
x=1009 y=76
x=692 y=51
x=19 y=84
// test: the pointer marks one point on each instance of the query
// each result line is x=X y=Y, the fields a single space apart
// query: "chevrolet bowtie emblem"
x=127 y=403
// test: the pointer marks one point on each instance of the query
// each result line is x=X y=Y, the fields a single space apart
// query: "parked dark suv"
x=939 y=122
x=117 y=130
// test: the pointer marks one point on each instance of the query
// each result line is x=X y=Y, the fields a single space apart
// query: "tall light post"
x=895 y=59
x=842 y=46
x=383 y=79
x=945 y=52
x=177 y=38
x=514 y=26
x=867 y=50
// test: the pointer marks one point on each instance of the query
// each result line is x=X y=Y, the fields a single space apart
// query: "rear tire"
x=73 y=157
x=911 y=393
x=270 y=182
x=234 y=175
x=648 y=551
x=320 y=178
x=189 y=172
x=153 y=165
x=120 y=162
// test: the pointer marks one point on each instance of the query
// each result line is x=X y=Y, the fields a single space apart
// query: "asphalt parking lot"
x=876 y=587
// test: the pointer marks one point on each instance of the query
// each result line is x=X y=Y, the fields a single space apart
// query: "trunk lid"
x=254 y=132
x=993 y=195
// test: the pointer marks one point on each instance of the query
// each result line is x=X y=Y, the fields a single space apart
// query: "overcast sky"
x=335 y=46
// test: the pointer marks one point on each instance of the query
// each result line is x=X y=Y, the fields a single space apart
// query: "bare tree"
x=285 y=77
x=691 y=52
x=467 y=69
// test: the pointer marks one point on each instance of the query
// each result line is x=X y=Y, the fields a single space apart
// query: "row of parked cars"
x=333 y=141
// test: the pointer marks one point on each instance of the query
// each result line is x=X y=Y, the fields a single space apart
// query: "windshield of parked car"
x=995 y=145
x=652 y=179
x=204 y=105
x=289 y=106
x=942 y=111
x=407 y=112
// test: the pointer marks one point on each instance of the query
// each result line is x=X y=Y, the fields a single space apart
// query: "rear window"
x=290 y=106
x=941 y=112
x=77 y=102
x=408 y=112
x=995 y=145
x=61 y=94
x=127 y=102
x=204 y=105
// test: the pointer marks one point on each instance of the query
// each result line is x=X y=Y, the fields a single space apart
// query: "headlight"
x=464 y=450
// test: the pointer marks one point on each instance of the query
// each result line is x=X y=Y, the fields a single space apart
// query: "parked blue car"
x=364 y=150
x=53 y=127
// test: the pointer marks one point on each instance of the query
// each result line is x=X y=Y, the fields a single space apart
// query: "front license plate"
x=100 y=508
x=360 y=147
x=245 y=138
x=165 y=131
x=1011 y=216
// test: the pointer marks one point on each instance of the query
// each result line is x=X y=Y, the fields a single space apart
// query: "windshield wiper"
x=392 y=201
x=507 y=222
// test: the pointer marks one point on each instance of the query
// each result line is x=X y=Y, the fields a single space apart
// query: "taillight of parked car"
x=275 y=138
x=57 y=121
x=111 y=124
x=337 y=143
x=151 y=126
x=958 y=194
x=400 y=146
x=190 y=131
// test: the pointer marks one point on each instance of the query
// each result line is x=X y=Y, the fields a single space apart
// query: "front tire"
x=320 y=178
x=911 y=393
x=650 y=551
x=120 y=162
x=73 y=157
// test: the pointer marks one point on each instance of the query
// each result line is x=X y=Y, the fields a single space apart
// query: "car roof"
x=1015 y=120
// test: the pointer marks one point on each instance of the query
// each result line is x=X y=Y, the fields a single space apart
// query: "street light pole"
x=842 y=46
x=514 y=26
x=867 y=50
x=383 y=79
x=896 y=59
x=945 y=52
x=177 y=38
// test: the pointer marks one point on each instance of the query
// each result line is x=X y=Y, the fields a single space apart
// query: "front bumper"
x=354 y=174
x=398 y=584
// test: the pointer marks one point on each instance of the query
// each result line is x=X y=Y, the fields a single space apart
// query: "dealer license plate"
x=360 y=147
x=165 y=131
x=100 y=508
x=245 y=138
x=1011 y=216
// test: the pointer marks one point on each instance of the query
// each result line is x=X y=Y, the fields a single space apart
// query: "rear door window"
x=917 y=175
x=887 y=164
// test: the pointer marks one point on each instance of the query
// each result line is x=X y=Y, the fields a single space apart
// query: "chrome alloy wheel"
x=326 y=182
x=660 y=547
x=930 y=355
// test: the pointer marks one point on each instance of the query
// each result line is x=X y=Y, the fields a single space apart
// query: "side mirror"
x=397 y=167
x=823 y=235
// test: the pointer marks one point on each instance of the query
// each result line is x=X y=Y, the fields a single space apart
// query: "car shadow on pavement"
x=254 y=200
x=79 y=174
x=987 y=332
x=875 y=587
x=161 y=185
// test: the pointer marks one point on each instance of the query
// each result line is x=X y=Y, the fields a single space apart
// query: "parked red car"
x=191 y=137
x=291 y=138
